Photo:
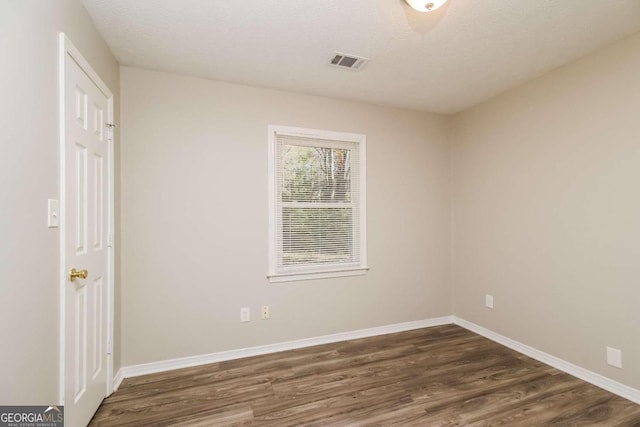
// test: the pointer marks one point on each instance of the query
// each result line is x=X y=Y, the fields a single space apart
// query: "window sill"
x=293 y=277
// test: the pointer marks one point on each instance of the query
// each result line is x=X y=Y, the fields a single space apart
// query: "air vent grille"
x=350 y=62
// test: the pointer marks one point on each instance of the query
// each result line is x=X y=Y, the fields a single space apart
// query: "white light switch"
x=53 y=213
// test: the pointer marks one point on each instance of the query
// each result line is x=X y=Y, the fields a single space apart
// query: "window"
x=317 y=218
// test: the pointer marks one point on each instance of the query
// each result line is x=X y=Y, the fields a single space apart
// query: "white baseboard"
x=584 y=374
x=571 y=369
x=187 y=362
x=117 y=380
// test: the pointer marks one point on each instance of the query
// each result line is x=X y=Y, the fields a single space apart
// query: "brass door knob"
x=73 y=274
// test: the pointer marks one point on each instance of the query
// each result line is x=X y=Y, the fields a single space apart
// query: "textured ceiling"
x=444 y=61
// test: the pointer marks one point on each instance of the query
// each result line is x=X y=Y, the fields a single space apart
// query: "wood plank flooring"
x=441 y=376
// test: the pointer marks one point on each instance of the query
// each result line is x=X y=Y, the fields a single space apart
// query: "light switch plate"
x=53 y=213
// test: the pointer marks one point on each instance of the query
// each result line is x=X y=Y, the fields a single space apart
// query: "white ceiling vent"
x=351 y=62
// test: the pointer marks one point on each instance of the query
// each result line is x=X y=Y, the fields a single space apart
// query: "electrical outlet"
x=265 y=312
x=245 y=314
x=614 y=357
x=488 y=301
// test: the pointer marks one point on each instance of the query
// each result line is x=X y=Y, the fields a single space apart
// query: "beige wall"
x=29 y=256
x=546 y=212
x=194 y=209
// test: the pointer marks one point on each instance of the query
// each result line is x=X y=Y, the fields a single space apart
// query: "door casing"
x=66 y=47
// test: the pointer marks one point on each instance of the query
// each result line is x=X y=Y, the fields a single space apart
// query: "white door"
x=86 y=179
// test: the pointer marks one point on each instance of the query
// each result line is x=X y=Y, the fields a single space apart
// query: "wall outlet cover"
x=264 y=315
x=614 y=357
x=488 y=301
x=245 y=314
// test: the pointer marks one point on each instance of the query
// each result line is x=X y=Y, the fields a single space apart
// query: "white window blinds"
x=318 y=211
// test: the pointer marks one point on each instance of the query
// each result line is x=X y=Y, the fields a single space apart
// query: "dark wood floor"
x=428 y=377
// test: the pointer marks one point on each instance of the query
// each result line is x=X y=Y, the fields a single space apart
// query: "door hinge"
x=110 y=128
x=109 y=347
x=110 y=240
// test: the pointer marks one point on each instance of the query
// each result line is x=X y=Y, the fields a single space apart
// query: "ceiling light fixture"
x=425 y=5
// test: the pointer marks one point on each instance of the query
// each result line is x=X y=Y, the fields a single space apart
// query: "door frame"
x=66 y=47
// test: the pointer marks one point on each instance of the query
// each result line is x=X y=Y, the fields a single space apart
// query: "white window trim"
x=326 y=271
